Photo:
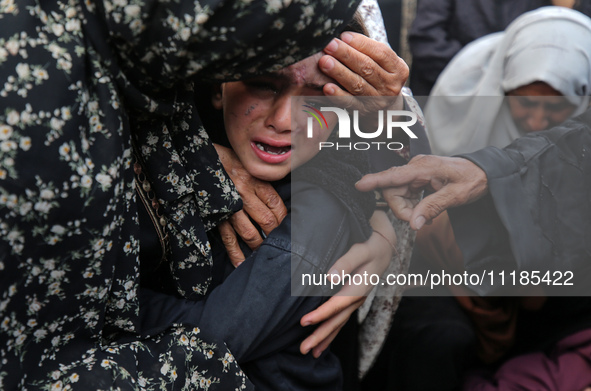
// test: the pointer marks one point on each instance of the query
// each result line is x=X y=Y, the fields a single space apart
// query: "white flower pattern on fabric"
x=71 y=107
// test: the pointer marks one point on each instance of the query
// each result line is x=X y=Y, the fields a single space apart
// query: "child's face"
x=257 y=117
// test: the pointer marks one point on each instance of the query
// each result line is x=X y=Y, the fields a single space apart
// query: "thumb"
x=430 y=207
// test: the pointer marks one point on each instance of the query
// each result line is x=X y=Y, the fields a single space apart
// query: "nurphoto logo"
x=395 y=119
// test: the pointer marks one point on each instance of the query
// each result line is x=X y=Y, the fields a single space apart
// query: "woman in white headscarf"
x=546 y=53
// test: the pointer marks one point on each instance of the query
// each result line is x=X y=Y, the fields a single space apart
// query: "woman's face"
x=537 y=106
x=257 y=117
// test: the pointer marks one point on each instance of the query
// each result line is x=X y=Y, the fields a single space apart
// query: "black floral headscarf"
x=79 y=83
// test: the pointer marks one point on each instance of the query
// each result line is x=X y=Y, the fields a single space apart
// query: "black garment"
x=442 y=27
x=537 y=216
x=538 y=212
x=431 y=343
x=80 y=81
x=254 y=311
x=429 y=347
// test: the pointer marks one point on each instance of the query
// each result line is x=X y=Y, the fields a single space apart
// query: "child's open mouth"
x=272 y=154
x=271 y=149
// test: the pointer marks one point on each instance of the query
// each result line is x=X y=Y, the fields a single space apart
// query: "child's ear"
x=216 y=96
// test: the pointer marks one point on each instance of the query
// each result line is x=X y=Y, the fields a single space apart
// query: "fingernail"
x=419 y=222
x=306 y=323
x=328 y=64
x=332 y=46
x=347 y=37
x=329 y=90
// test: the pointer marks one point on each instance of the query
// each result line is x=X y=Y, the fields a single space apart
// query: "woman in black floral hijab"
x=82 y=83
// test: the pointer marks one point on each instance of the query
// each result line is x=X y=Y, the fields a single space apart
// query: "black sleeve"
x=538 y=213
x=255 y=310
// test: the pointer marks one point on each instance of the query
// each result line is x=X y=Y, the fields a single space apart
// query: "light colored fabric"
x=466 y=110
x=376 y=314
x=374 y=22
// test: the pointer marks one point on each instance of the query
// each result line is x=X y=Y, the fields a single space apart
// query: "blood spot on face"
x=258 y=118
x=250 y=109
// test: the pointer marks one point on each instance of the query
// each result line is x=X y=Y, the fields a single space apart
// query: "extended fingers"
x=357 y=255
x=392 y=177
x=333 y=314
x=417 y=174
x=325 y=343
x=329 y=309
x=319 y=340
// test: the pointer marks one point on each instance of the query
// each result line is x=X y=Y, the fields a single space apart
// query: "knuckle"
x=357 y=87
x=250 y=234
x=281 y=214
x=346 y=55
x=268 y=220
x=394 y=87
x=393 y=170
x=229 y=239
x=242 y=188
x=382 y=52
x=238 y=219
x=273 y=200
x=404 y=70
x=390 y=197
x=432 y=210
x=367 y=70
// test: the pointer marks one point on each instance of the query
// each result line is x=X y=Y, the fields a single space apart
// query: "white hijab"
x=466 y=110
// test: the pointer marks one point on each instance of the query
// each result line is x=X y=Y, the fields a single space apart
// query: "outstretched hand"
x=369 y=258
x=455 y=182
x=361 y=67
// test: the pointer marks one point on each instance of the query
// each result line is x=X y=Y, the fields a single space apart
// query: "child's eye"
x=314 y=104
x=262 y=86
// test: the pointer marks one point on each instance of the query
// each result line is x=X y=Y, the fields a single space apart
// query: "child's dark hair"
x=357 y=25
